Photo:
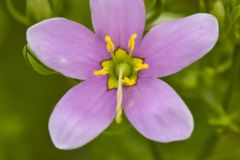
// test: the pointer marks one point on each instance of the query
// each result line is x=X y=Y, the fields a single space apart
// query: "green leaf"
x=34 y=63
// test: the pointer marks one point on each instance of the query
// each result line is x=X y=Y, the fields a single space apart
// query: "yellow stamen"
x=128 y=81
x=119 y=98
x=139 y=67
x=110 y=44
x=103 y=71
x=131 y=42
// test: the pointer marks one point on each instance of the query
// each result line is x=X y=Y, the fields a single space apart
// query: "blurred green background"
x=210 y=87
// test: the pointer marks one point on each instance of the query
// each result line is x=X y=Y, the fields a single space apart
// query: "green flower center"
x=122 y=60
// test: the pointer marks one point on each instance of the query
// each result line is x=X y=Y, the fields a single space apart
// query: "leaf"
x=34 y=63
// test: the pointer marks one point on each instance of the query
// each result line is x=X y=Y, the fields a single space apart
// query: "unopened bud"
x=219 y=11
x=38 y=10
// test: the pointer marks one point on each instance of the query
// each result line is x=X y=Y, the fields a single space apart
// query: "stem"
x=209 y=147
x=154 y=151
x=234 y=75
x=18 y=16
x=157 y=7
x=213 y=139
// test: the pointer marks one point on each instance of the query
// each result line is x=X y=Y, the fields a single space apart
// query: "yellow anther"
x=110 y=45
x=140 y=67
x=103 y=71
x=128 y=81
x=131 y=42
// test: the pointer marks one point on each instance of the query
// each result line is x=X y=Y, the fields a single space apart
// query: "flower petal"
x=118 y=19
x=67 y=47
x=171 y=46
x=82 y=114
x=157 y=112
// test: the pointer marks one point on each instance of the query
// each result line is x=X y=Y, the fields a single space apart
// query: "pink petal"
x=118 y=19
x=157 y=111
x=82 y=114
x=67 y=47
x=171 y=46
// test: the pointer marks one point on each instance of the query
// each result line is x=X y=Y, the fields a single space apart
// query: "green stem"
x=154 y=150
x=153 y=12
x=157 y=6
x=18 y=16
x=209 y=146
x=234 y=75
x=213 y=139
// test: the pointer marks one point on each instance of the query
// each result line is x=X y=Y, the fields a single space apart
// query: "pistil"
x=119 y=95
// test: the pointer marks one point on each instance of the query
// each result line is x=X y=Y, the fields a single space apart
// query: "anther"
x=139 y=67
x=131 y=42
x=128 y=82
x=103 y=71
x=110 y=44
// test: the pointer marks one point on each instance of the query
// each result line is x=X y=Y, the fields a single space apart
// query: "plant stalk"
x=214 y=138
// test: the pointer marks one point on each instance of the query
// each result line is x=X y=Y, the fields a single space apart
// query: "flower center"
x=121 y=59
x=122 y=69
x=127 y=69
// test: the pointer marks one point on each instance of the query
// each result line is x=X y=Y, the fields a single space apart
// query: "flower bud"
x=34 y=63
x=219 y=11
x=202 y=6
x=37 y=10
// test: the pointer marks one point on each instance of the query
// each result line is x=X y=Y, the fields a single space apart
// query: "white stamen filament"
x=119 y=96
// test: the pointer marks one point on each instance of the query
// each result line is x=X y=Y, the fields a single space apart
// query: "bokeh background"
x=29 y=92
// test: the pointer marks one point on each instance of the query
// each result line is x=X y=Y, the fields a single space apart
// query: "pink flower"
x=121 y=70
